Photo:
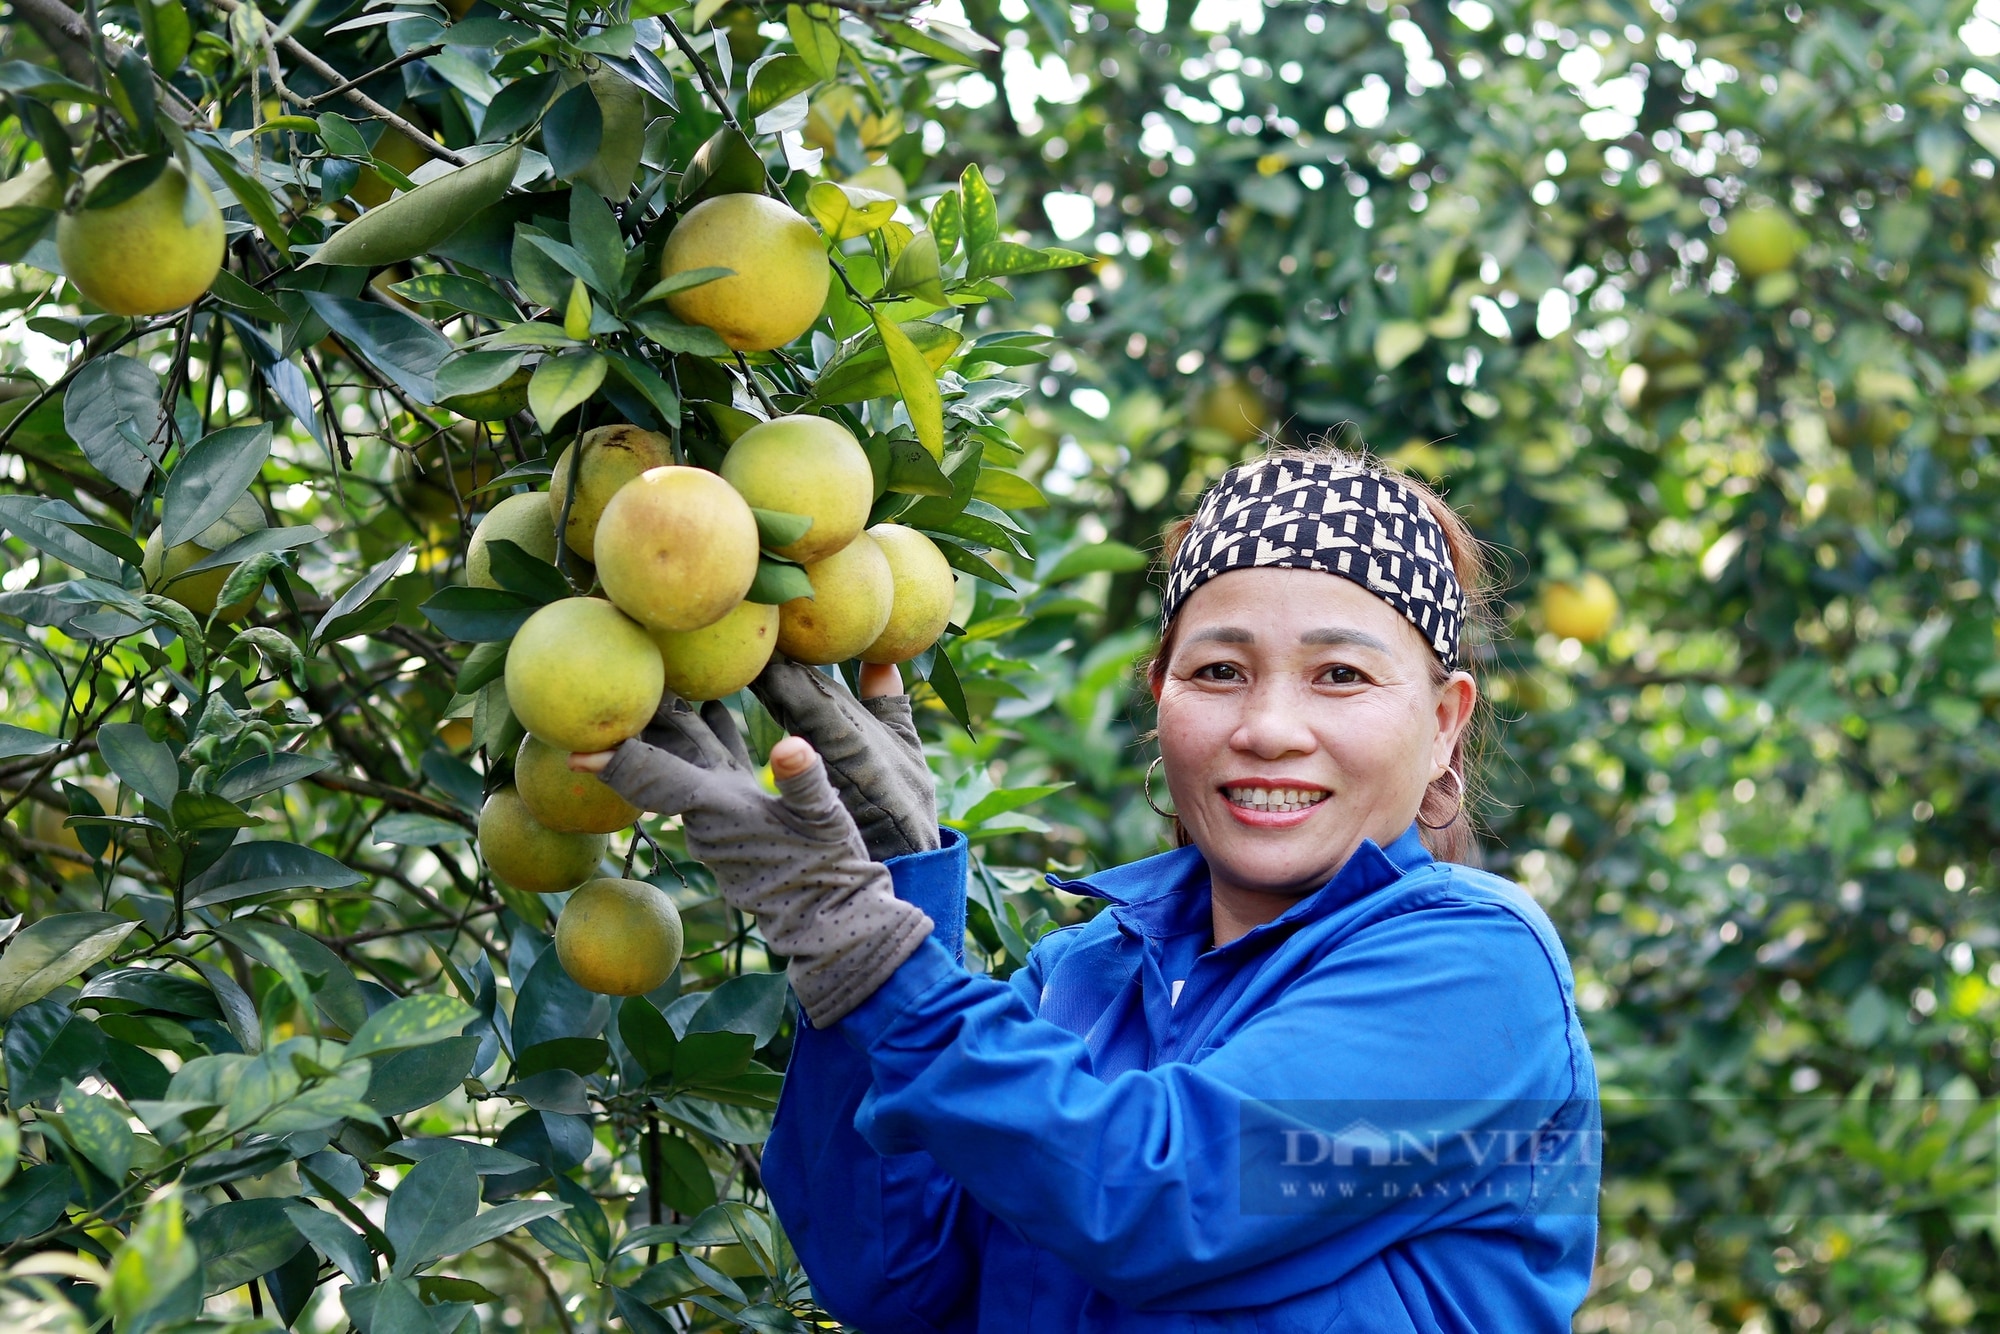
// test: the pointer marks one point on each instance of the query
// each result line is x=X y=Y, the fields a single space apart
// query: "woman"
x=1299 y=1076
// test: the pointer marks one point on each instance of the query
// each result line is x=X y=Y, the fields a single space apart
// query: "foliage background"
x=1762 y=812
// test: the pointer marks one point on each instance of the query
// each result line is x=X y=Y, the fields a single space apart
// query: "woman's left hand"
x=795 y=860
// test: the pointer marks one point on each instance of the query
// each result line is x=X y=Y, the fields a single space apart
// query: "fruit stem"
x=750 y=377
x=565 y=558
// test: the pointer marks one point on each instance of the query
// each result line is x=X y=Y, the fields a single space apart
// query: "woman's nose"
x=1276 y=722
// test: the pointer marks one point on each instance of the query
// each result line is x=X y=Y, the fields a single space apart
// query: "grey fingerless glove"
x=871 y=749
x=796 y=860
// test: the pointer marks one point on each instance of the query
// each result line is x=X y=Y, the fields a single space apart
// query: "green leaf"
x=194 y=811
x=778 y=581
x=211 y=476
x=776 y=79
x=776 y=528
x=420 y=1076
x=335 y=1240
x=1007 y=258
x=16 y=742
x=943 y=679
x=337 y=132
x=960 y=559
x=648 y=382
x=862 y=371
x=916 y=382
x=232 y=291
x=485 y=663
x=1093 y=557
x=923 y=43
x=98 y=1130
x=474 y=372
x=752 y=1004
x=252 y=194
x=112 y=410
x=50 y=952
x=438 y=1195
x=670 y=335
x=647 y=1035
x=267 y=773
x=164 y=24
x=359 y=592
x=725 y=164
x=32 y=1202
x=412 y=223
x=412 y=829
x=474 y=615
x=584 y=1056
x=413 y=1021
x=563 y=384
x=157 y=1256
x=947 y=223
x=250 y=869
x=848 y=211
x=495 y=1223
x=816 y=37
x=458 y=293
x=243 y=1239
x=46 y=526
x=402 y=347
x=682 y=281
x=572 y=130
x=918 y=271
x=21 y=226
x=553 y=1091
x=256 y=544
x=981 y=215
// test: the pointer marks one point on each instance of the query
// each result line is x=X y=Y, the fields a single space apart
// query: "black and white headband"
x=1310 y=514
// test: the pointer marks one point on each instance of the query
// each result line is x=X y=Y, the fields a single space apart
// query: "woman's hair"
x=1446 y=803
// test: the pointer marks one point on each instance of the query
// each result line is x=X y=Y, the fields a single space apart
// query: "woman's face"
x=1299 y=715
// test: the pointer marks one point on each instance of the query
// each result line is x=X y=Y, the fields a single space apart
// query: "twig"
x=68 y=34
x=355 y=95
x=384 y=932
x=715 y=94
x=750 y=377
x=399 y=797
x=548 y=1284
x=414 y=53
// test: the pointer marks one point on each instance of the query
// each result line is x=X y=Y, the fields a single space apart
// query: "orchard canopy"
x=335 y=333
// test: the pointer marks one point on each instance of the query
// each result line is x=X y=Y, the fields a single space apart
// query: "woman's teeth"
x=1274 y=798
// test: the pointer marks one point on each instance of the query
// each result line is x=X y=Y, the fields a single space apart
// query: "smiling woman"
x=1298 y=1076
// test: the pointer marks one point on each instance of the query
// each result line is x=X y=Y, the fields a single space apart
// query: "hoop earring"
x=1457 y=810
x=1164 y=815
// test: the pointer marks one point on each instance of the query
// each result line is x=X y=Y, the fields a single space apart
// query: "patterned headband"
x=1308 y=514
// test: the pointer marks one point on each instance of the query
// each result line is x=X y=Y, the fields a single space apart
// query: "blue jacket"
x=1375 y=1113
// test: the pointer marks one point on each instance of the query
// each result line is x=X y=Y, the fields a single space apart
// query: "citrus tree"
x=403 y=396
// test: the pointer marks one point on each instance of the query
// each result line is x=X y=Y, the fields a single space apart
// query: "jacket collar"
x=1159 y=894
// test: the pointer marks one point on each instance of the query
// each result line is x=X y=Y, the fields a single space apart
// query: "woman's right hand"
x=870 y=746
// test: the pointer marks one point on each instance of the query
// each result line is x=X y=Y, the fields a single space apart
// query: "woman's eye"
x=1341 y=676
x=1218 y=671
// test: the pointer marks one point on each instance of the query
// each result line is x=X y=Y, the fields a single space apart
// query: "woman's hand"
x=870 y=746
x=796 y=860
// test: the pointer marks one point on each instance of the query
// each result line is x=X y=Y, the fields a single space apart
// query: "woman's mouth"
x=1269 y=804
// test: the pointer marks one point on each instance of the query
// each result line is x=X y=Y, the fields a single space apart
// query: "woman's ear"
x=1457 y=698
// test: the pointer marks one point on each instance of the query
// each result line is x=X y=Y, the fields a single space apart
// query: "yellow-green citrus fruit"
x=805 y=465
x=563 y=799
x=623 y=108
x=612 y=456
x=844 y=103
x=883 y=179
x=138 y=257
x=1232 y=408
x=853 y=590
x=1761 y=240
x=722 y=658
x=619 y=937
x=371 y=187
x=676 y=549
x=582 y=675
x=521 y=851
x=455 y=734
x=1582 y=610
x=197 y=592
x=524 y=521
x=779 y=270
x=921 y=606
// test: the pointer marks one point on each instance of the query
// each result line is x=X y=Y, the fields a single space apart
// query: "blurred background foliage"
x=1492 y=241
